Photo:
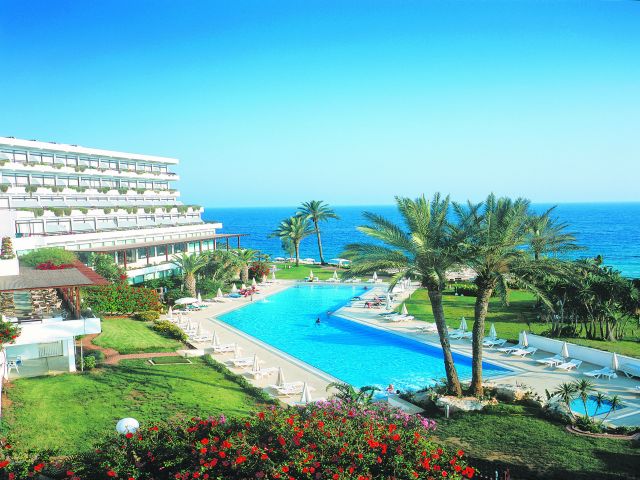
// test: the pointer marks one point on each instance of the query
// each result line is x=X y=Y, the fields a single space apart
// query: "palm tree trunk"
x=453 y=383
x=480 y=314
x=244 y=273
x=297 y=247
x=322 y=262
x=190 y=283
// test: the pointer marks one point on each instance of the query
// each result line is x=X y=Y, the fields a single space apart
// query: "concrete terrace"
x=524 y=370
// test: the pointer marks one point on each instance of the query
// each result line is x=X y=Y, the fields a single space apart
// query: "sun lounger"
x=603 y=372
x=494 y=342
x=459 y=335
x=630 y=370
x=227 y=347
x=511 y=349
x=428 y=328
x=570 y=365
x=552 y=361
x=523 y=352
x=242 y=362
x=400 y=318
x=264 y=372
x=201 y=338
x=291 y=388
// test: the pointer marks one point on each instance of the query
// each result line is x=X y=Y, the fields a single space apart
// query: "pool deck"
x=523 y=370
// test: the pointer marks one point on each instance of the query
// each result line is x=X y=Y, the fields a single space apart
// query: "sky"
x=276 y=102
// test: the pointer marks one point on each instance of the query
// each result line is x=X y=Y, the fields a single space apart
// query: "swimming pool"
x=352 y=352
x=592 y=406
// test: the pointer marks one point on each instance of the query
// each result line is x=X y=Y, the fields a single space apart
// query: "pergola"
x=160 y=243
x=68 y=281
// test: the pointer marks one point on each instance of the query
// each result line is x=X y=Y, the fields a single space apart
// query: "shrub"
x=51 y=266
x=322 y=441
x=170 y=330
x=6 y=251
x=258 y=269
x=53 y=255
x=9 y=331
x=146 y=316
x=106 y=266
x=120 y=298
x=89 y=363
x=4 y=187
x=31 y=188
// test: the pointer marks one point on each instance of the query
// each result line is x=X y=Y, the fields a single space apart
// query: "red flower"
x=38 y=467
x=204 y=441
x=129 y=435
x=111 y=473
x=4 y=463
x=240 y=460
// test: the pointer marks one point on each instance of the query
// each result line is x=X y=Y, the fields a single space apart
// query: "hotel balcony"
x=7 y=189
x=27 y=167
x=86 y=201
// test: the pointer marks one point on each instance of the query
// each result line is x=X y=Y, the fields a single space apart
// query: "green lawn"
x=132 y=336
x=70 y=411
x=512 y=435
x=301 y=272
x=509 y=320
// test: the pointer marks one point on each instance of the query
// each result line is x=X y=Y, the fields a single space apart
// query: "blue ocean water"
x=354 y=353
x=608 y=229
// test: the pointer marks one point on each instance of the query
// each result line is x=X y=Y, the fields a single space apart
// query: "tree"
x=245 y=259
x=317 y=211
x=425 y=250
x=222 y=266
x=190 y=264
x=584 y=387
x=106 y=267
x=614 y=404
x=350 y=395
x=566 y=392
x=287 y=245
x=295 y=229
x=548 y=236
x=496 y=251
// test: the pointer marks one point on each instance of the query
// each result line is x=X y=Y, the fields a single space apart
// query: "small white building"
x=45 y=305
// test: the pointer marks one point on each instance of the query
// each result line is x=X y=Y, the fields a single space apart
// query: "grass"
x=509 y=320
x=132 y=336
x=170 y=360
x=532 y=447
x=68 y=412
x=301 y=272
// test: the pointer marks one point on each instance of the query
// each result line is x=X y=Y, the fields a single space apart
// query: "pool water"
x=352 y=352
x=592 y=407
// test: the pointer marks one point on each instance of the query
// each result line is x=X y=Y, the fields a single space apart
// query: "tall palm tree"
x=245 y=257
x=496 y=251
x=425 y=250
x=547 y=235
x=190 y=264
x=295 y=229
x=583 y=388
x=566 y=392
x=317 y=211
x=614 y=404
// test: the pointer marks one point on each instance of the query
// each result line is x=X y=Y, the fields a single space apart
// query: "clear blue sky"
x=271 y=103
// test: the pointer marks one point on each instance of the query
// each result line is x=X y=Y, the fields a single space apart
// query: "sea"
x=608 y=229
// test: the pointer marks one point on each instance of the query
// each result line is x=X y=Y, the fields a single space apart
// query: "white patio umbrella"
x=273 y=275
x=404 y=310
x=335 y=275
x=310 y=274
x=253 y=282
x=236 y=350
x=280 y=381
x=199 y=297
x=388 y=301
x=243 y=287
x=234 y=289
x=170 y=313
x=463 y=324
x=215 y=341
x=198 y=330
x=256 y=364
x=525 y=340
x=219 y=293
x=565 y=350
x=306 y=394
x=264 y=279
x=189 y=325
x=375 y=276
x=614 y=361
x=186 y=301
x=492 y=331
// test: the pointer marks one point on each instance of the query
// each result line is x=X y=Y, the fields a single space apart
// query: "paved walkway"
x=112 y=357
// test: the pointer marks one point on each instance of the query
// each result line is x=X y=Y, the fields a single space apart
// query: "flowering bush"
x=258 y=270
x=8 y=332
x=6 y=251
x=54 y=255
x=328 y=440
x=52 y=266
x=121 y=298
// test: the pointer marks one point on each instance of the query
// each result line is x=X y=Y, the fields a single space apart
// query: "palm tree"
x=190 y=264
x=295 y=229
x=496 y=253
x=566 y=392
x=583 y=388
x=600 y=399
x=428 y=247
x=349 y=394
x=317 y=211
x=614 y=404
x=549 y=236
x=245 y=257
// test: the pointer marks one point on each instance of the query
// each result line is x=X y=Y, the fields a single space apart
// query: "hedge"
x=121 y=298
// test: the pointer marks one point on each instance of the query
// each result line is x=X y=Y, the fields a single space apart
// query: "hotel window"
x=22 y=180
x=94 y=163
x=74 y=181
x=20 y=157
x=142 y=253
x=49 y=181
x=36 y=180
x=58 y=160
x=83 y=161
x=36 y=157
x=71 y=161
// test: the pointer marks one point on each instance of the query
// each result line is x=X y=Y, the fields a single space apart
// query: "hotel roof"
x=173 y=241
x=76 y=149
x=33 y=279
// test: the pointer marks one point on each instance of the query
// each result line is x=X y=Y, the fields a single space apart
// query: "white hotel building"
x=101 y=201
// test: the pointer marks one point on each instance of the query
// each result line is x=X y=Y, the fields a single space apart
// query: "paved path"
x=112 y=357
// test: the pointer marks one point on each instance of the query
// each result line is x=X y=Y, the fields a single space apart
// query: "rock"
x=512 y=393
x=463 y=404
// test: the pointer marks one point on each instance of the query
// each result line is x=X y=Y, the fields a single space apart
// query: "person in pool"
x=390 y=389
x=318 y=321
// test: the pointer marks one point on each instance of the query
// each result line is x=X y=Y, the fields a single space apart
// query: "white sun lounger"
x=243 y=362
x=225 y=348
x=630 y=370
x=458 y=335
x=291 y=388
x=400 y=318
x=494 y=342
x=571 y=364
x=264 y=372
x=428 y=328
x=511 y=349
x=552 y=361
x=603 y=372
x=523 y=352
